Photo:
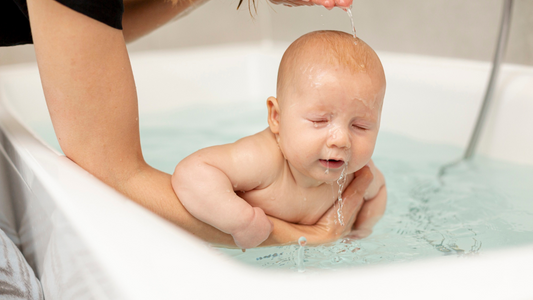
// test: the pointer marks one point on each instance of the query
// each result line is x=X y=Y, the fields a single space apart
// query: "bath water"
x=302 y=241
x=479 y=206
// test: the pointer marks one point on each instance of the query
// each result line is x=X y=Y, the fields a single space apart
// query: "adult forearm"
x=152 y=189
x=143 y=16
x=90 y=93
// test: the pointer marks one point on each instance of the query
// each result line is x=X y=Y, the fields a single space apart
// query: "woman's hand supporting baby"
x=327 y=228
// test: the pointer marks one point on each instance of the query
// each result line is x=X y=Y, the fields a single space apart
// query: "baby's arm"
x=205 y=181
x=374 y=205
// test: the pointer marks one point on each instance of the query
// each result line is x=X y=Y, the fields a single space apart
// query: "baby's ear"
x=273 y=114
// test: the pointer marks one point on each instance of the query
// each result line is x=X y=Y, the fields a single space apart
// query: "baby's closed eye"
x=360 y=126
x=319 y=122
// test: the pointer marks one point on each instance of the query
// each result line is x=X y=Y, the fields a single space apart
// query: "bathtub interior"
x=56 y=203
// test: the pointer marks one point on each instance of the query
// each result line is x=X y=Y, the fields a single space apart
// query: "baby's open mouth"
x=332 y=163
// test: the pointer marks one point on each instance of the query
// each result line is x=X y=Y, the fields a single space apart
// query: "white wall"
x=451 y=28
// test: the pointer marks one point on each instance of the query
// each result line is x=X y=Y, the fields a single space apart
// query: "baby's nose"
x=338 y=137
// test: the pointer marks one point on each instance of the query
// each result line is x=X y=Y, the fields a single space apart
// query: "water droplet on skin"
x=316 y=125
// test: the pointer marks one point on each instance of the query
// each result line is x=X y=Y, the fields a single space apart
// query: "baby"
x=323 y=127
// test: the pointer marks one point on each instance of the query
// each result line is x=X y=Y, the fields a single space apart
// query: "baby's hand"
x=256 y=232
x=329 y=4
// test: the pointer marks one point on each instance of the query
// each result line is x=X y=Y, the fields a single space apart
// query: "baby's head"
x=328 y=106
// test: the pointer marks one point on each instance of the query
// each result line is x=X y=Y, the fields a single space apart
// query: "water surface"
x=478 y=206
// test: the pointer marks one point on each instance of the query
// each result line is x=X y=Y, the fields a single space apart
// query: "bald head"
x=331 y=48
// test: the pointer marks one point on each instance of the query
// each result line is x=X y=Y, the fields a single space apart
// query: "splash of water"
x=302 y=241
x=349 y=12
x=341 y=182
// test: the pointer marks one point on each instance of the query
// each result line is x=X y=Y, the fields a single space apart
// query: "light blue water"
x=479 y=206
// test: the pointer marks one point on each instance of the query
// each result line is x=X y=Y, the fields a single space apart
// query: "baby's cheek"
x=362 y=156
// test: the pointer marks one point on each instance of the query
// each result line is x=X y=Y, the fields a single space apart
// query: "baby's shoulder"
x=262 y=152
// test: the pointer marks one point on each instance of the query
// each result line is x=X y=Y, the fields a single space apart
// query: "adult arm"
x=90 y=93
x=143 y=16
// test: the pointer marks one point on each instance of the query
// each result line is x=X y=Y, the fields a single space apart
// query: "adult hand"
x=329 y=4
x=328 y=228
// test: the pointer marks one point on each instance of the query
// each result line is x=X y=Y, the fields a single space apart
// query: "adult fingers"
x=329 y=4
x=353 y=195
x=352 y=202
x=329 y=228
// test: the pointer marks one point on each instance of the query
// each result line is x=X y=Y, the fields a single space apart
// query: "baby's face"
x=329 y=118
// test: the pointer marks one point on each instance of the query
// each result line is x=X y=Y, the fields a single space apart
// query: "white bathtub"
x=86 y=241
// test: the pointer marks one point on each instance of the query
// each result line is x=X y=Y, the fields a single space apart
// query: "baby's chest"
x=292 y=204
